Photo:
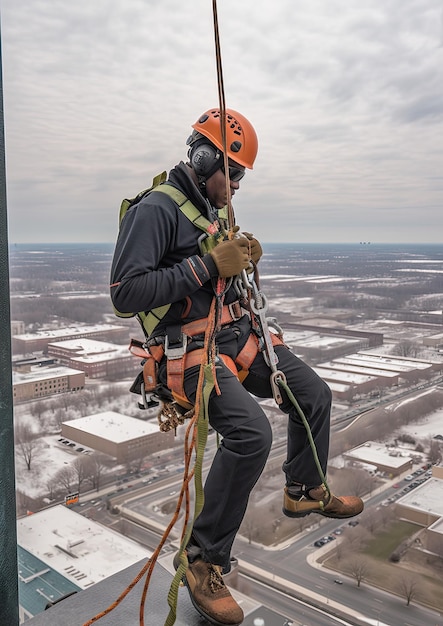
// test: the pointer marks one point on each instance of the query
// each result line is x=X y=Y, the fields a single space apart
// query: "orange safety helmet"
x=241 y=138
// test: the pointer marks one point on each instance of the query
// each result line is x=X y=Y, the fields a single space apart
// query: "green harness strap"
x=149 y=320
x=202 y=436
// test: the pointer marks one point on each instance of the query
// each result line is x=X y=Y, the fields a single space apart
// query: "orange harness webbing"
x=176 y=367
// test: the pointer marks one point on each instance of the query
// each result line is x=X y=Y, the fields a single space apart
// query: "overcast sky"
x=346 y=97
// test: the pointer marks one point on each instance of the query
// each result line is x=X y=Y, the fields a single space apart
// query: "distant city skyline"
x=346 y=100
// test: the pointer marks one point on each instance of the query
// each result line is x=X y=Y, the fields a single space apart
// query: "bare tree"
x=409 y=587
x=37 y=409
x=339 y=549
x=355 y=539
x=359 y=569
x=407 y=348
x=95 y=465
x=52 y=486
x=80 y=470
x=27 y=443
x=135 y=461
x=371 y=520
x=386 y=515
x=358 y=482
x=65 y=476
x=434 y=456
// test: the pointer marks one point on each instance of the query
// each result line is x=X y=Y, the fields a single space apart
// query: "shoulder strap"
x=128 y=202
x=150 y=319
x=188 y=209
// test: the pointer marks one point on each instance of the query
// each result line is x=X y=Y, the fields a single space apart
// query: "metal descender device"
x=247 y=289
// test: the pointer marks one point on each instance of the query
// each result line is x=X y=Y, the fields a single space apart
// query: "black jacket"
x=157 y=260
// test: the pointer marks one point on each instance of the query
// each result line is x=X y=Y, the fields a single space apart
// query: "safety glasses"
x=235 y=173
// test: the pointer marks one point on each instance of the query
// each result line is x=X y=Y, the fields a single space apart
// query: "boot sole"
x=319 y=512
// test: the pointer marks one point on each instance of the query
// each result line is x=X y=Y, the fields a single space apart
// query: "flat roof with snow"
x=76 y=547
x=363 y=361
x=338 y=387
x=427 y=497
x=85 y=350
x=378 y=454
x=342 y=365
x=113 y=426
x=325 y=341
x=343 y=377
x=43 y=373
x=399 y=361
x=69 y=330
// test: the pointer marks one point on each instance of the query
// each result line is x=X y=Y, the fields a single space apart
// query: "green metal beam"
x=8 y=528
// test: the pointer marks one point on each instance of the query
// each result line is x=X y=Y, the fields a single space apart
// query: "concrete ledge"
x=77 y=609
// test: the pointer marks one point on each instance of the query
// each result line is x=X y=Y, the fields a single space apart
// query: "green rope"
x=282 y=383
x=202 y=436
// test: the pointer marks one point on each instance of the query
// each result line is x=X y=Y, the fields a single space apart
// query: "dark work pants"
x=247 y=437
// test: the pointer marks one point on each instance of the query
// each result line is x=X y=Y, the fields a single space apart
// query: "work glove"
x=231 y=256
x=255 y=247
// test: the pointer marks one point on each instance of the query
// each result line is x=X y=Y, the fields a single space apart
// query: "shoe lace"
x=216 y=582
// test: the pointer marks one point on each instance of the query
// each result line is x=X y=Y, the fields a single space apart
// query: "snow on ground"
x=427 y=427
x=50 y=456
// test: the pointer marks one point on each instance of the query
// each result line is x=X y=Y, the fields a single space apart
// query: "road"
x=291 y=563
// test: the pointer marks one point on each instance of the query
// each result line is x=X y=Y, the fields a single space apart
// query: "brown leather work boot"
x=319 y=500
x=209 y=594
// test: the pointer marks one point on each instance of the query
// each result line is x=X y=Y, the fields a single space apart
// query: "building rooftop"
x=85 y=350
x=113 y=426
x=398 y=361
x=338 y=387
x=79 y=549
x=359 y=367
x=42 y=373
x=427 y=497
x=69 y=330
x=317 y=340
x=343 y=377
x=39 y=584
x=379 y=454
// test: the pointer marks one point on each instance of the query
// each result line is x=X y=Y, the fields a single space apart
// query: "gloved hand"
x=255 y=247
x=231 y=256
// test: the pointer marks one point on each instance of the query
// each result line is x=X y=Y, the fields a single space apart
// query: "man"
x=161 y=259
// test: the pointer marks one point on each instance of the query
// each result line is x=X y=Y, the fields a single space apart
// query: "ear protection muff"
x=205 y=158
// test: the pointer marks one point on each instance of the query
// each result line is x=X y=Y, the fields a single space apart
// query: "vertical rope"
x=222 y=106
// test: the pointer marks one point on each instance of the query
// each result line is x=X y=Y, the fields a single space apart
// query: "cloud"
x=346 y=100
